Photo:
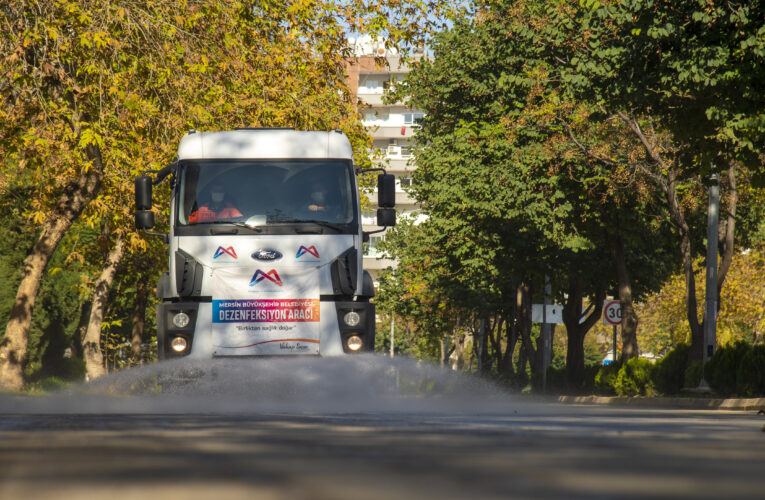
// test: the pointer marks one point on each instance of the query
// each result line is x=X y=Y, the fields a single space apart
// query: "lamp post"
x=710 y=311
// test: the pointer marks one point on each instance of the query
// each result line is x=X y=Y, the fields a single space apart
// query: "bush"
x=72 y=369
x=52 y=384
x=669 y=374
x=635 y=378
x=557 y=382
x=750 y=375
x=720 y=370
x=605 y=379
x=693 y=374
x=587 y=386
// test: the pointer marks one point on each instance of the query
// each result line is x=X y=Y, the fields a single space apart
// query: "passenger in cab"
x=318 y=202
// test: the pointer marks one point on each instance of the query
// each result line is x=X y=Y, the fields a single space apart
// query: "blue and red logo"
x=225 y=251
x=304 y=250
x=271 y=276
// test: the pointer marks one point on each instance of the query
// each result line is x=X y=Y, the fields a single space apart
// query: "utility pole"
x=710 y=312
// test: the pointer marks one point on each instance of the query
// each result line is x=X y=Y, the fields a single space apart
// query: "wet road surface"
x=358 y=428
x=535 y=451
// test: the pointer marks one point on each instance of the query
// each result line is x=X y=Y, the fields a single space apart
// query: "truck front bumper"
x=178 y=337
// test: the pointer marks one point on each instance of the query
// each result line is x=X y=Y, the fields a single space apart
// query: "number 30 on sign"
x=612 y=312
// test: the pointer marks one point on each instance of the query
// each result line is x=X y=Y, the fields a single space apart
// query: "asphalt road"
x=121 y=446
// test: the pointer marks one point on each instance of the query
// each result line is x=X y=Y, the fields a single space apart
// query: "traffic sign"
x=612 y=312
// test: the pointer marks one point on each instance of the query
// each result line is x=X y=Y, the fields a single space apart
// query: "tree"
x=685 y=79
x=95 y=92
x=492 y=178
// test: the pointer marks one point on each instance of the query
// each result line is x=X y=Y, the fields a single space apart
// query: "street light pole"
x=710 y=312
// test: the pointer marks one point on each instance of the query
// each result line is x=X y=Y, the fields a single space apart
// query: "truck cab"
x=264 y=246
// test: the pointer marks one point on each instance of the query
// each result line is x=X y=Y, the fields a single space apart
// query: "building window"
x=371 y=87
x=370 y=249
x=413 y=118
x=406 y=150
x=393 y=148
x=405 y=181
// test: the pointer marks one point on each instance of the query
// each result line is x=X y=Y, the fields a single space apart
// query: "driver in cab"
x=216 y=207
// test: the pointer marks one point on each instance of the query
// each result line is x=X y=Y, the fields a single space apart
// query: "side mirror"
x=144 y=219
x=143 y=185
x=386 y=217
x=386 y=191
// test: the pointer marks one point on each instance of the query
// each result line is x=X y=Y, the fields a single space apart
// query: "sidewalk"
x=733 y=404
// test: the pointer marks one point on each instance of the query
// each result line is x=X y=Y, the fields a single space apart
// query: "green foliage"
x=737 y=369
x=605 y=378
x=669 y=375
x=720 y=371
x=54 y=321
x=635 y=378
x=51 y=384
x=698 y=65
x=58 y=308
x=694 y=373
x=750 y=375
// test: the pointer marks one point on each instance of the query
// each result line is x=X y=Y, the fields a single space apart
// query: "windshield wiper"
x=237 y=223
x=323 y=223
x=217 y=229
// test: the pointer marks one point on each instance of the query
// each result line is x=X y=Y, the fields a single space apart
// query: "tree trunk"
x=139 y=317
x=485 y=360
x=459 y=352
x=511 y=334
x=691 y=305
x=71 y=203
x=91 y=344
x=629 y=316
x=442 y=344
x=524 y=303
x=727 y=234
x=577 y=325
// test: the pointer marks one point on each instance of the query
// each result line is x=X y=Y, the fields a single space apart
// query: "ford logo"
x=267 y=255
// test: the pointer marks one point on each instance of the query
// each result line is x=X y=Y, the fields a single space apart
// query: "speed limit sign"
x=612 y=312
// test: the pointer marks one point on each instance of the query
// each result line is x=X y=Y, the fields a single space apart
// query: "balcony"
x=399 y=165
x=372 y=99
x=395 y=132
x=377 y=264
x=402 y=198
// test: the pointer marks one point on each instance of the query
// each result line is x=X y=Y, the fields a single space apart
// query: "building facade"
x=391 y=125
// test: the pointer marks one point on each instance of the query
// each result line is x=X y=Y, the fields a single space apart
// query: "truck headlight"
x=351 y=318
x=179 y=344
x=181 y=320
x=354 y=343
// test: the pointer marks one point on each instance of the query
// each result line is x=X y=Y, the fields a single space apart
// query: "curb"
x=730 y=404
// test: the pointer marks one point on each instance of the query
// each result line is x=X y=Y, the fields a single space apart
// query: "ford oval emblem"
x=267 y=255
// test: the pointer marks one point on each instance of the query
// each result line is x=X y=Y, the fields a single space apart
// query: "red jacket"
x=205 y=214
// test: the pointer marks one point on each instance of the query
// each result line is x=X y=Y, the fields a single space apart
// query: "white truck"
x=265 y=244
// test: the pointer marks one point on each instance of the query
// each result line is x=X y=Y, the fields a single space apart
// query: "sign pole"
x=612 y=315
x=546 y=337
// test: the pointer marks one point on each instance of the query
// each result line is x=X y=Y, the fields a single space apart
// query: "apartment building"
x=392 y=127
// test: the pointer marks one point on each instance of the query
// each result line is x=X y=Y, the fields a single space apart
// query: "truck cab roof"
x=264 y=144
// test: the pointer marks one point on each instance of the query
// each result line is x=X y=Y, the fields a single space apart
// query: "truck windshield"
x=260 y=192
